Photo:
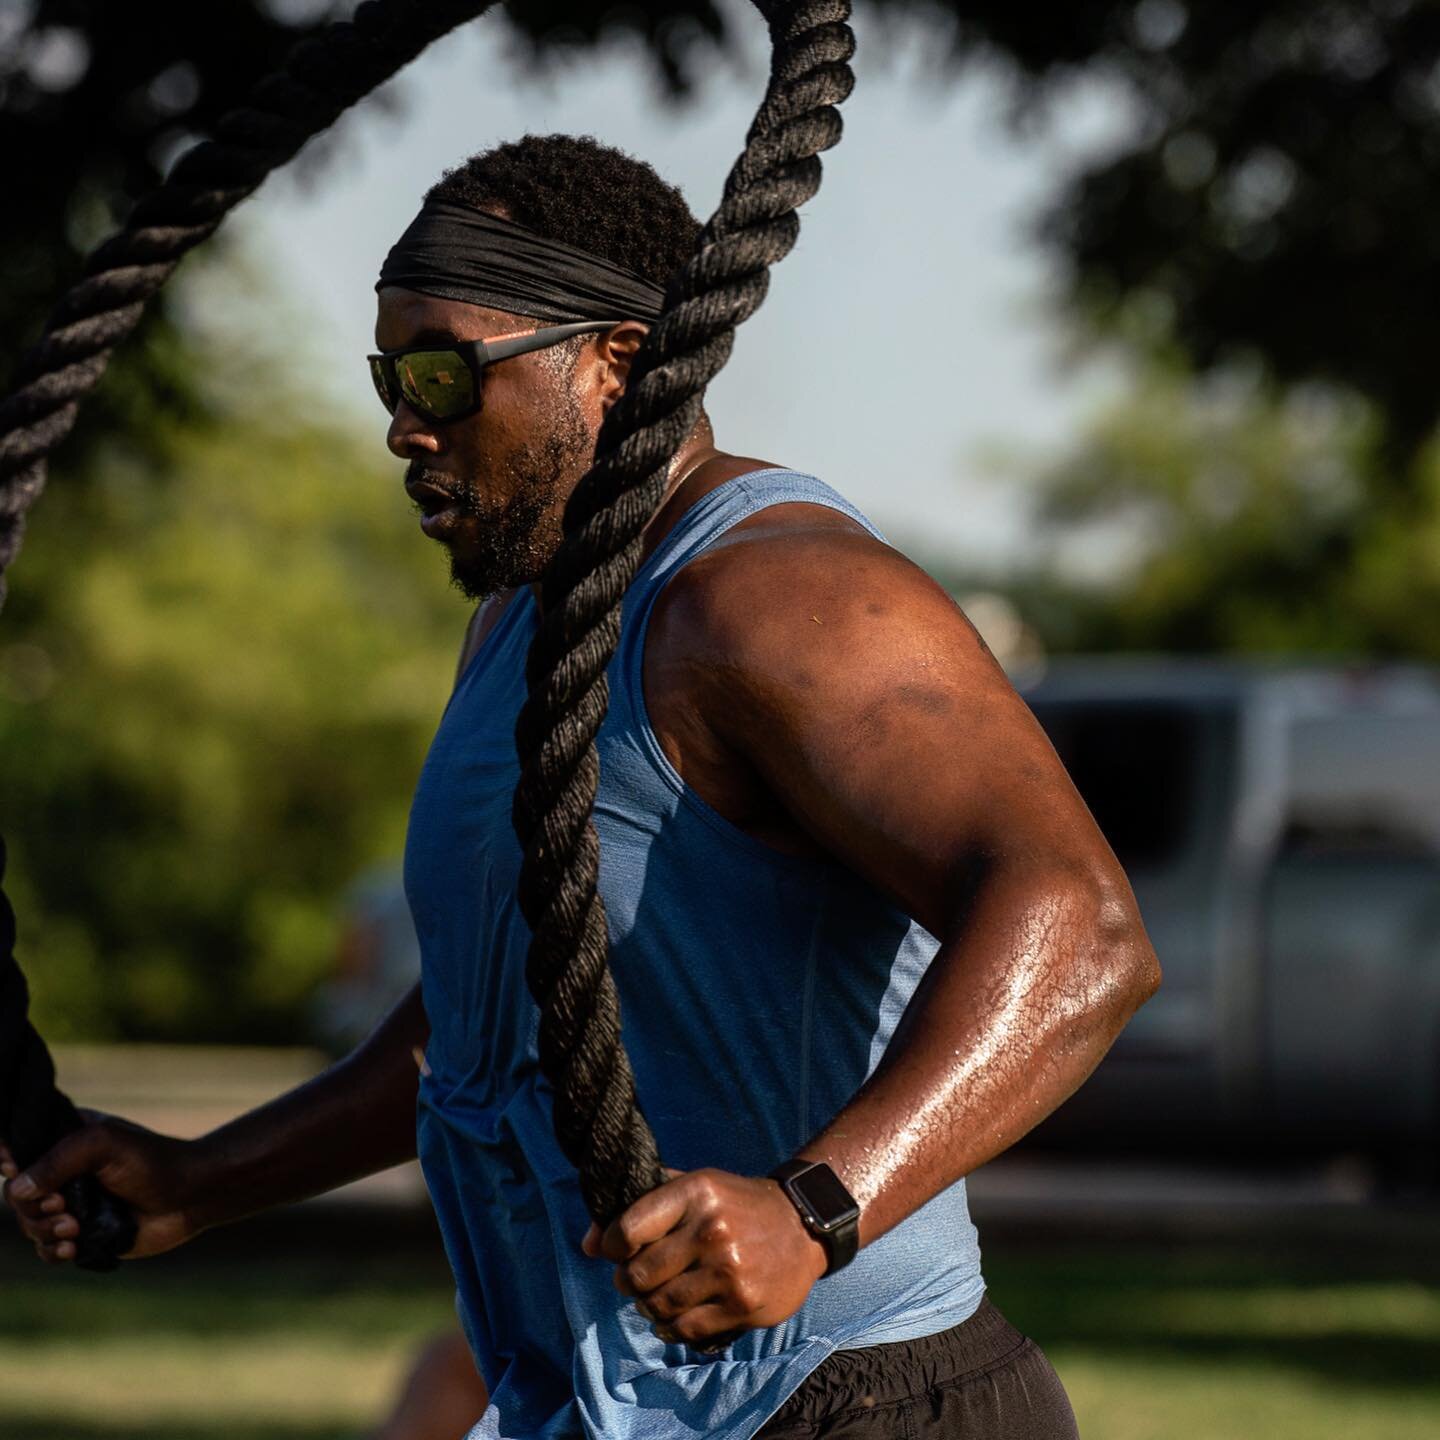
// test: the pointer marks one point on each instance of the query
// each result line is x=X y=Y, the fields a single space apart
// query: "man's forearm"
x=355 y=1119
x=1015 y=1011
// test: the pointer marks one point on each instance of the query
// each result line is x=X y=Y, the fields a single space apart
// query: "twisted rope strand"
x=597 y=1118
x=323 y=76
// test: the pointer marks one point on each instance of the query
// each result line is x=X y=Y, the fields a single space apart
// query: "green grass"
x=304 y=1341
x=1195 y=1344
x=215 y=1346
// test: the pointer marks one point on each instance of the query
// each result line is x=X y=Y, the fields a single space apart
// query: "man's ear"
x=617 y=347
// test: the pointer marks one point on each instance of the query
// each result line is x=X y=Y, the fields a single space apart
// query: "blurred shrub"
x=226 y=648
x=1225 y=514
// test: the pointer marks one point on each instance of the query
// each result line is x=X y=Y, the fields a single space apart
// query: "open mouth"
x=439 y=509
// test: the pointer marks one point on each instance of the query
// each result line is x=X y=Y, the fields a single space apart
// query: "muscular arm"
x=860 y=699
x=1016 y=1010
x=353 y=1120
x=868 y=706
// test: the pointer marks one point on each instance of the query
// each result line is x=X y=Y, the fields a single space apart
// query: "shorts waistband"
x=891 y=1373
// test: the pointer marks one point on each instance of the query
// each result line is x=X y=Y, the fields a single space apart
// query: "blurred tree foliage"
x=1274 y=191
x=1241 y=517
x=1274 y=194
x=226 y=648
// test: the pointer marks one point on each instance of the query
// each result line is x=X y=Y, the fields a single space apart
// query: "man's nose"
x=411 y=434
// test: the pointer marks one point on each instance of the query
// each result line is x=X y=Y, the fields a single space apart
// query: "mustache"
x=421 y=481
x=417 y=473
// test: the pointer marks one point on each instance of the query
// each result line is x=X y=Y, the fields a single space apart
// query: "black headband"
x=457 y=253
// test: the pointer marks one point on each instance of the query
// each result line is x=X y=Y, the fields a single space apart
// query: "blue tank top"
x=758 y=990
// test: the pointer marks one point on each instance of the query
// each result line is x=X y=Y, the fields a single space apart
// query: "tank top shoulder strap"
x=697 y=529
x=728 y=504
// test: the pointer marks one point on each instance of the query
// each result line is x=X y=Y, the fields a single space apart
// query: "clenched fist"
x=709 y=1255
x=150 y=1172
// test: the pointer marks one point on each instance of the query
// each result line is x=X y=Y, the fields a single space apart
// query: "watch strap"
x=841 y=1240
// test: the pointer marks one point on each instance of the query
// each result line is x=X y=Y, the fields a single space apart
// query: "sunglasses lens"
x=436 y=382
x=380 y=374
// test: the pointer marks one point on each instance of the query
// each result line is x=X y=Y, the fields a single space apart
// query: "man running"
x=864 y=931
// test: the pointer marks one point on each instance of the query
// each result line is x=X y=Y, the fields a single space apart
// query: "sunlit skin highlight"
x=826 y=697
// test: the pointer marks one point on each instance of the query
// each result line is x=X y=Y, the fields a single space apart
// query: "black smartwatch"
x=826 y=1207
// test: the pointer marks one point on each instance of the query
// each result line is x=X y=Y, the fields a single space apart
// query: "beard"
x=503 y=544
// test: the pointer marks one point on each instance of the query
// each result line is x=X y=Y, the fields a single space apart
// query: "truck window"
x=1137 y=766
x=1366 y=774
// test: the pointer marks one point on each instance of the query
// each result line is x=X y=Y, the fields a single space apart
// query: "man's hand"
x=354 y=1119
x=152 y=1174
x=709 y=1255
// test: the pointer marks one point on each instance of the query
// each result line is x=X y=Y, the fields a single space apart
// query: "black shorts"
x=982 y=1380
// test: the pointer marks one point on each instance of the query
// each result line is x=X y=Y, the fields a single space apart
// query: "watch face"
x=828 y=1201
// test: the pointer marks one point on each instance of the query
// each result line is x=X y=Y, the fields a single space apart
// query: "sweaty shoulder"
x=799 y=600
x=860 y=708
x=802 y=579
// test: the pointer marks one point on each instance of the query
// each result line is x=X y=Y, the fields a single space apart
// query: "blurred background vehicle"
x=1281 y=828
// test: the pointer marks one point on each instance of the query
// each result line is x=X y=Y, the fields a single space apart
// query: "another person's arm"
x=354 y=1119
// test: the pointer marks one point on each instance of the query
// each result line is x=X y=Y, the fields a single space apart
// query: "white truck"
x=1281 y=828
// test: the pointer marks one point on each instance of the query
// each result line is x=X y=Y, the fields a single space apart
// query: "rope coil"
x=598 y=1122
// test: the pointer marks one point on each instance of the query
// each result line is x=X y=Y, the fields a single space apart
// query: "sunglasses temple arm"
x=504 y=346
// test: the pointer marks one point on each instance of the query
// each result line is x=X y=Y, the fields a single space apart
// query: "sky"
x=905 y=340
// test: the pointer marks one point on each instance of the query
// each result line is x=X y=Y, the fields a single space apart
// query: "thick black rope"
x=323 y=76
x=41 y=1114
x=597 y=1120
